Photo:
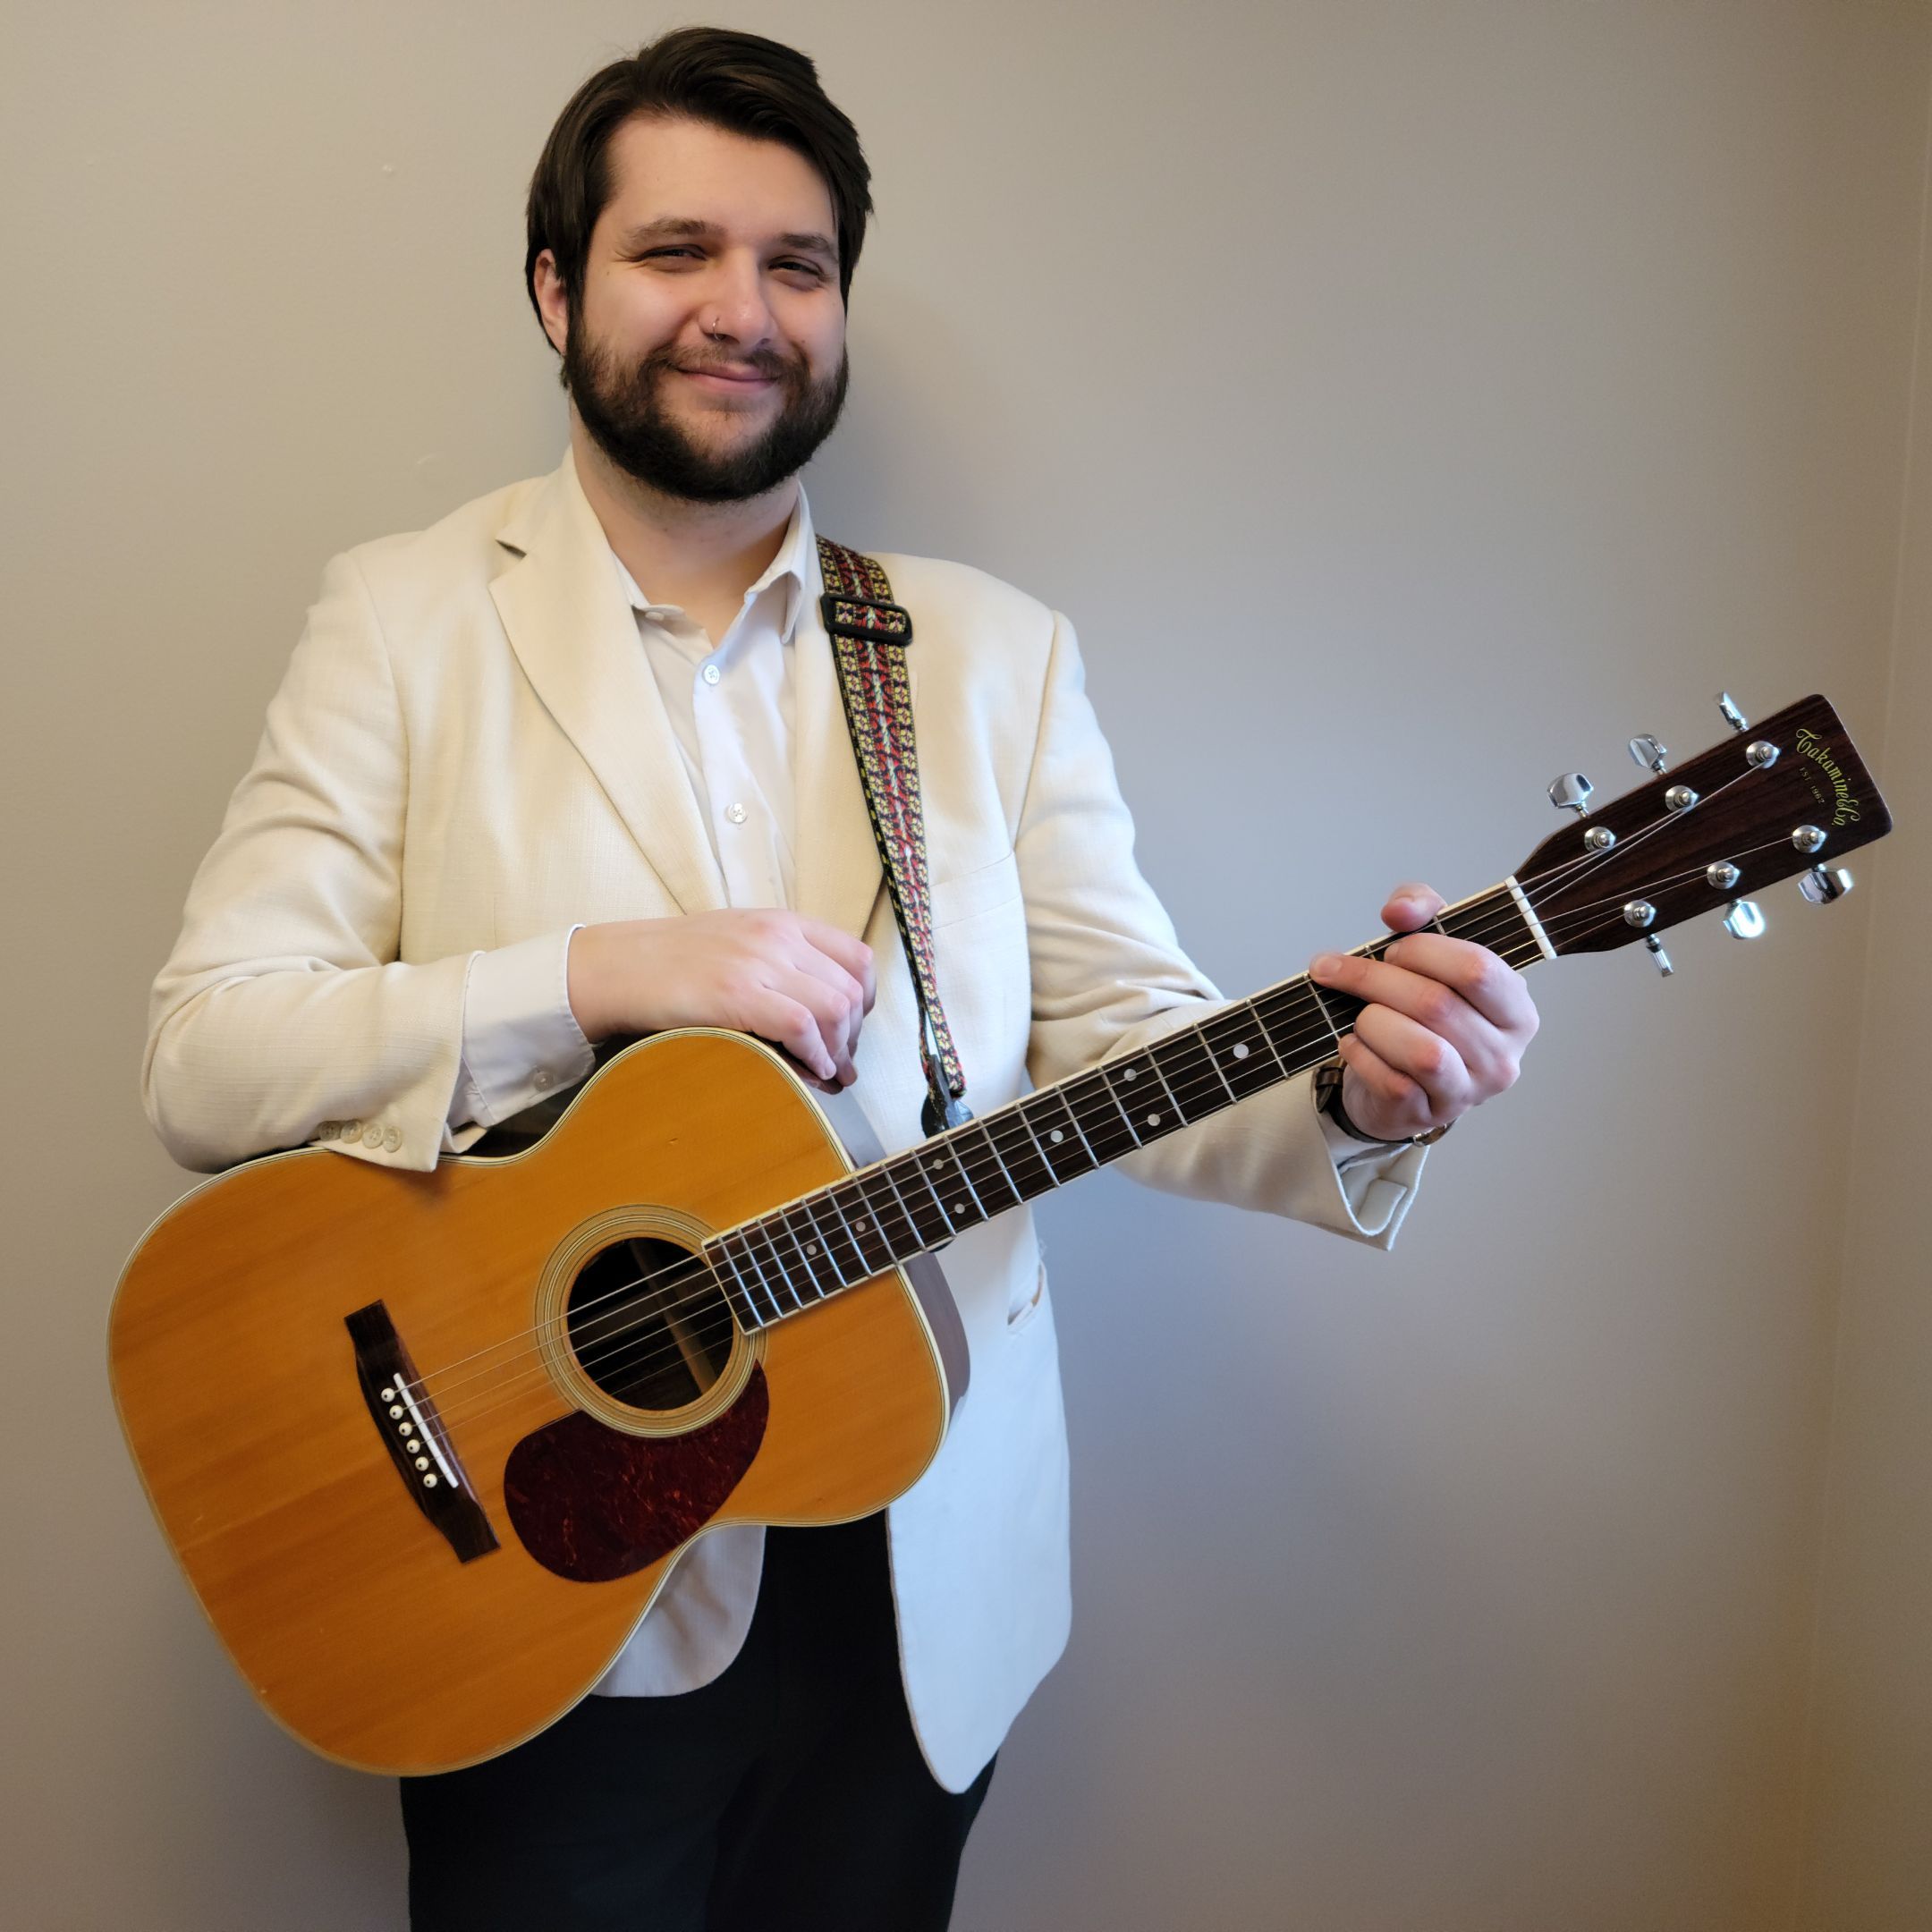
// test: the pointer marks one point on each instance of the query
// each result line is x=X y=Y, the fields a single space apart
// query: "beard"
x=624 y=412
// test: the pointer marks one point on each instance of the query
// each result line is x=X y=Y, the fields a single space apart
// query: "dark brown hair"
x=740 y=82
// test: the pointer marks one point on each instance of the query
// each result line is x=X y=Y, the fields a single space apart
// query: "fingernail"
x=1323 y=965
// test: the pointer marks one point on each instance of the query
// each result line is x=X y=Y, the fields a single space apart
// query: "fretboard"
x=908 y=1203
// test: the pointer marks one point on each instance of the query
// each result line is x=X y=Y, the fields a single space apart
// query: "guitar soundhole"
x=648 y=1325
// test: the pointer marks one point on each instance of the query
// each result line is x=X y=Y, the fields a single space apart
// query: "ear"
x=551 y=303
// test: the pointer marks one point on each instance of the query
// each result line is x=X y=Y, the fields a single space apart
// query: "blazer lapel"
x=576 y=638
x=838 y=876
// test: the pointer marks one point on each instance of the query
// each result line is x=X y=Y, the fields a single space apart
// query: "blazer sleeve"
x=284 y=1010
x=1109 y=978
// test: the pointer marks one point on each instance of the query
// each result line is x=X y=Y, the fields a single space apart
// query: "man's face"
x=708 y=355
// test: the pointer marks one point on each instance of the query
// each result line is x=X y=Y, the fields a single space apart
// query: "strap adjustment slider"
x=864 y=618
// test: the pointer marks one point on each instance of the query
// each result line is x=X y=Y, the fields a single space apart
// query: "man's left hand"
x=1445 y=1028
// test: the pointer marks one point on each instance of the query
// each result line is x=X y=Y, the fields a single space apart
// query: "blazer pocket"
x=1028 y=1312
x=984 y=889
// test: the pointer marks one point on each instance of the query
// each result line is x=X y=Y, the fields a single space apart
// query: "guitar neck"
x=910 y=1203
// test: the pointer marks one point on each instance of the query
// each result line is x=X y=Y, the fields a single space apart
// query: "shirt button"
x=736 y=813
x=391 y=1139
x=541 y=1081
x=711 y=674
x=372 y=1137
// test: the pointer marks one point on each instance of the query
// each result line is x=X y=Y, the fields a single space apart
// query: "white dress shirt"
x=731 y=711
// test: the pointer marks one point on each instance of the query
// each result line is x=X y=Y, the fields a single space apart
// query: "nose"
x=734 y=308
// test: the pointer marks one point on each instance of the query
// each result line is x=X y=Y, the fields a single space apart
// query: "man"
x=571 y=765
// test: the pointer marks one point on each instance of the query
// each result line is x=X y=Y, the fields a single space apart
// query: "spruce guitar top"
x=428 y=1445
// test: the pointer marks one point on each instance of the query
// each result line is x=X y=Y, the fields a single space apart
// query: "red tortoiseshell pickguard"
x=592 y=1503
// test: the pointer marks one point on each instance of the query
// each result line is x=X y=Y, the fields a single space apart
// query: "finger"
x=1420 y=1055
x=830 y=1007
x=1410 y=906
x=1436 y=1007
x=1439 y=1002
x=1401 y=1108
x=1488 y=982
x=824 y=968
x=792 y=1025
x=853 y=954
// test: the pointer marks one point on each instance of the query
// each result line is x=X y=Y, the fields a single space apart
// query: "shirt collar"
x=795 y=566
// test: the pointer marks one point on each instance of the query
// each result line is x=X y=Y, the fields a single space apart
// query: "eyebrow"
x=684 y=228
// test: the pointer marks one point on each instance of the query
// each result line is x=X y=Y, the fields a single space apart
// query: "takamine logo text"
x=1844 y=806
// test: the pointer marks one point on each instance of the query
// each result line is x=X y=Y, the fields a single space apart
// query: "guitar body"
x=405 y=1626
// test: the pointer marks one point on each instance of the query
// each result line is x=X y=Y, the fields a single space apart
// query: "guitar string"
x=697 y=1269
x=606 y=1351
x=611 y=1356
x=1506 y=916
x=979 y=1167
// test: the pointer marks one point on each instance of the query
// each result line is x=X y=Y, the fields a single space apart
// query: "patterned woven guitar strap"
x=869 y=634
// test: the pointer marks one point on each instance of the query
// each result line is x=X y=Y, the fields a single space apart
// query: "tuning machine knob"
x=1648 y=754
x=1732 y=716
x=1571 y=791
x=1823 y=883
x=1745 y=919
x=1655 y=948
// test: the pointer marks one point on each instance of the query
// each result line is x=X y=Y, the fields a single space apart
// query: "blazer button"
x=372 y=1137
x=391 y=1137
x=327 y=1130
x=352 y=1130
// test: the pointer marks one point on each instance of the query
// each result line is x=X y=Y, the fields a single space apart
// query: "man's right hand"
x=797 y=982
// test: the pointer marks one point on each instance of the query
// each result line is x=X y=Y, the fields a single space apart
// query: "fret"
x=771 y=1226
x=1061 y=1147
x=1192 y=1072
x=920 y=1200
x=1243 y=1054
x=1024 y=1151
x=750 y=1271
x=1097 y=1113
x=731 y=1284
x=1119 y=1106
x=895 y=1245
x=1006 y=1180
x=824 y=1245
x=856 y=1225
x=941 y=1167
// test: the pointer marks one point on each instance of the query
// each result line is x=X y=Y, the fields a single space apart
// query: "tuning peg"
x=1745 y=919
x=1658 y=953
x=1649 y=752
x=1571 y=791
x=1823 y=883
x=1734 y=717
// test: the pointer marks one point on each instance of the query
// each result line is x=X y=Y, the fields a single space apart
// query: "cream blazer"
x=469 y=750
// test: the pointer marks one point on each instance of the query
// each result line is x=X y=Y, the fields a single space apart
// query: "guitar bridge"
x=412 y=1431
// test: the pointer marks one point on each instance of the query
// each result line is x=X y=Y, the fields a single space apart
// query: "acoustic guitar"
x=427 y=1446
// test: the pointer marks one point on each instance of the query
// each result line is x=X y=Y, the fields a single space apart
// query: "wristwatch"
x=1329 y=1101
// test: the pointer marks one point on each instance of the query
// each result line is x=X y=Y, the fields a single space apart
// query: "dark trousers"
x=787 y=1795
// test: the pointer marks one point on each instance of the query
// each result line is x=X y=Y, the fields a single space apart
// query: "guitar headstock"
x=1788 y=796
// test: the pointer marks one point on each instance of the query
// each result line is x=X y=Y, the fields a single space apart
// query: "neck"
x=911 y=1203
x=702 y=557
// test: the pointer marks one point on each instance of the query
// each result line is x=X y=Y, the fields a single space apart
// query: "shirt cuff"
x=1377 y=1179
x=521 y=1041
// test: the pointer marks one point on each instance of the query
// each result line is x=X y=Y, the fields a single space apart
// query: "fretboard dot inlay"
x=1056 y=1135
x=1129 y=1074
x=1153 y=1120
x=811 y=1247
x=1240 y=1049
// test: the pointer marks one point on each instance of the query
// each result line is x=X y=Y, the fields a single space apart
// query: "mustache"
x=766 y=362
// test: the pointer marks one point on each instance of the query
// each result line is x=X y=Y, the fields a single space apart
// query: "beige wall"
x=1869 y=1867
x=1407 y=400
